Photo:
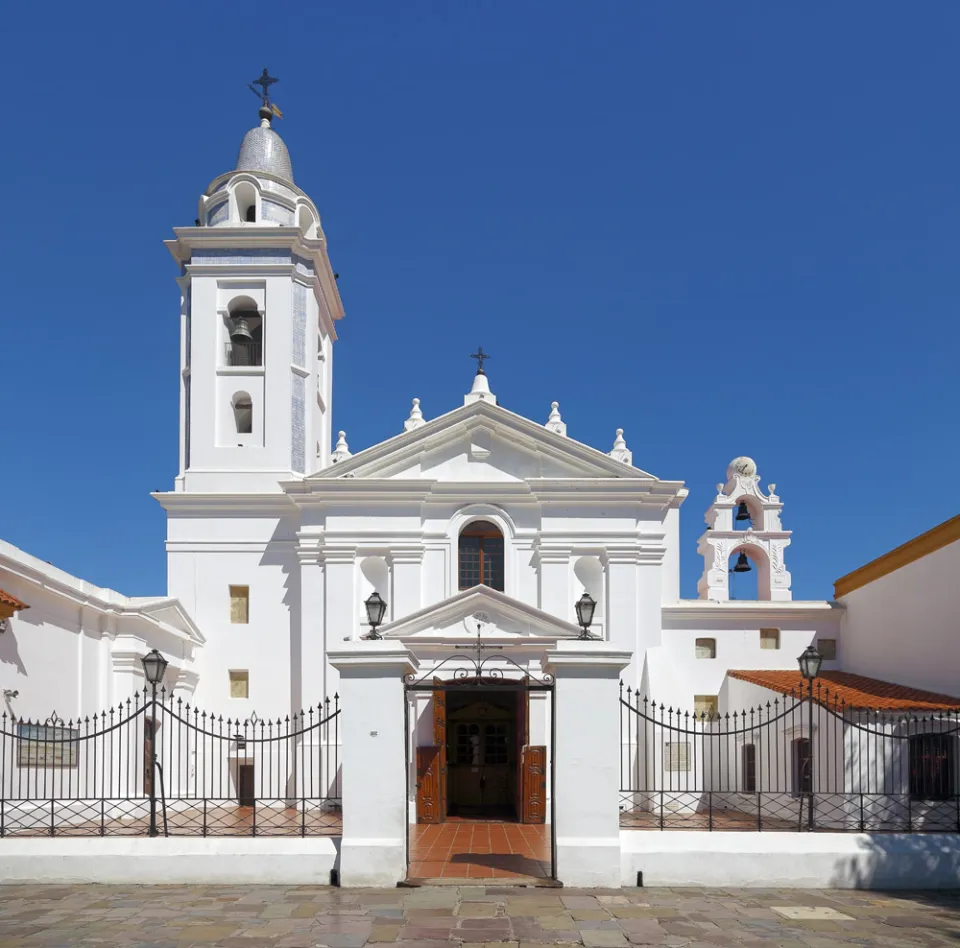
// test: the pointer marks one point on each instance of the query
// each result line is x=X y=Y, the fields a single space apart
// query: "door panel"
x=148 y=768
x=522 y=739
x=246 y=794
x=428 y=785
x=534 y=782
x=440 y=741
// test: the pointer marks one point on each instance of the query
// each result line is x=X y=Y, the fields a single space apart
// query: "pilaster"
x=405 y=579
x=316 y=679
x=586 y=803
x=341 y=594
x=555 y=587
x=373 y=760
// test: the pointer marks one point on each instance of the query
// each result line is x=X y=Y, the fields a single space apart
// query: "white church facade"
x=474 y=526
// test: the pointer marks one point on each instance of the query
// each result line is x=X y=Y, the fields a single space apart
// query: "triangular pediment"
x=483 y=443
x=500 y=618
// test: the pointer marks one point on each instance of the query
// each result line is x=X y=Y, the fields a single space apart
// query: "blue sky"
x=726 y=228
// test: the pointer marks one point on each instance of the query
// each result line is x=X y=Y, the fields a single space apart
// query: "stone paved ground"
x=470 y=917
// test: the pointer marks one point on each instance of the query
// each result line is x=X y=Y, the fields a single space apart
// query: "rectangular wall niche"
x=239 y=684
x=769 y=638
x=706 y=648
x=705 y=706
x=239 y=605
x=827 y=649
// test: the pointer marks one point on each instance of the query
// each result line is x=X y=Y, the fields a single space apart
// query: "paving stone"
x=384 y=933
x=602 y=939
x=813 y=913
x=477 y=916
x=478 y=909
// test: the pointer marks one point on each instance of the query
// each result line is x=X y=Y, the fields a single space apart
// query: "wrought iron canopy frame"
x=479 y=672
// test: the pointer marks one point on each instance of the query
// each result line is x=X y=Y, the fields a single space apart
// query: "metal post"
x=153 y=760
x=810 y=763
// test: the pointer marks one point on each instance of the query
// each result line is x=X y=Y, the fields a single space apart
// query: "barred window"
x=933 y=766
x=481 y=556
x=40 y=745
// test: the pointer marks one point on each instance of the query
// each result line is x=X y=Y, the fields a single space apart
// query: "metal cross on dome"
x=480 y=356
x=265 y=81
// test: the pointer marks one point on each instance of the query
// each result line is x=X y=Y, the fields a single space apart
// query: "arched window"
x=481 y=556
x=305 y=222
x=244 y=333
x=243 y=413
x=245 y=194
x=748 y=572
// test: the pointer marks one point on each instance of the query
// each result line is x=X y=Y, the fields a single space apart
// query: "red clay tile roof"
x=9 y=600
x=854 y=691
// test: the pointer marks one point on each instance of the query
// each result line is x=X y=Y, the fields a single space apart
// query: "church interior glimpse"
x=482 y=754
x=481 y=556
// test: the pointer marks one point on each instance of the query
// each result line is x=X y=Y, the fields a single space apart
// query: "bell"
x=743 y=564
x=742 y=512
x=240 y=332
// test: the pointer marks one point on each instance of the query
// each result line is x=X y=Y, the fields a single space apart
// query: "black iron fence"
x=150 y=767
x=801 y=762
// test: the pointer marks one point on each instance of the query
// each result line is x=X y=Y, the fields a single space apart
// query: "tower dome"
x=263 y=150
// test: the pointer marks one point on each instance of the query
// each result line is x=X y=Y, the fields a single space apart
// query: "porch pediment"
x=499 y=615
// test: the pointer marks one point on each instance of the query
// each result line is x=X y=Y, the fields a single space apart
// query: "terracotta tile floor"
x=476 y=849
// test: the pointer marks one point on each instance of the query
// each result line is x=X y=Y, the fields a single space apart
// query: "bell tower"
x=259 y=305
x=760 y=545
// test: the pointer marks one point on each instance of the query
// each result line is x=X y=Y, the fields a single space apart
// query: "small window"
x=827 y=649
x=749 y=761
x=705 y=706
x=706 y=648
x=250 y=215
x=239 y=605
x=239 y=684
x=802 y=758
x=769 y=638
x=933 y=766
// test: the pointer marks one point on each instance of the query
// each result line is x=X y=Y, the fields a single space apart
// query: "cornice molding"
x=936 y=539
x=278 y=504
x=750 y=610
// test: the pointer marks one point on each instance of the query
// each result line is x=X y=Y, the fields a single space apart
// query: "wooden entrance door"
x=246 y=793
x=534 y=784
x=522 y=739
x=440 y=740
x=428 y=785
x=148 y=739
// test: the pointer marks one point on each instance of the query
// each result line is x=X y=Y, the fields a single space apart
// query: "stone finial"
x=480 y=391
x=555 y=422
x=416 y=417
x=342 y=451
x=620 y=450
